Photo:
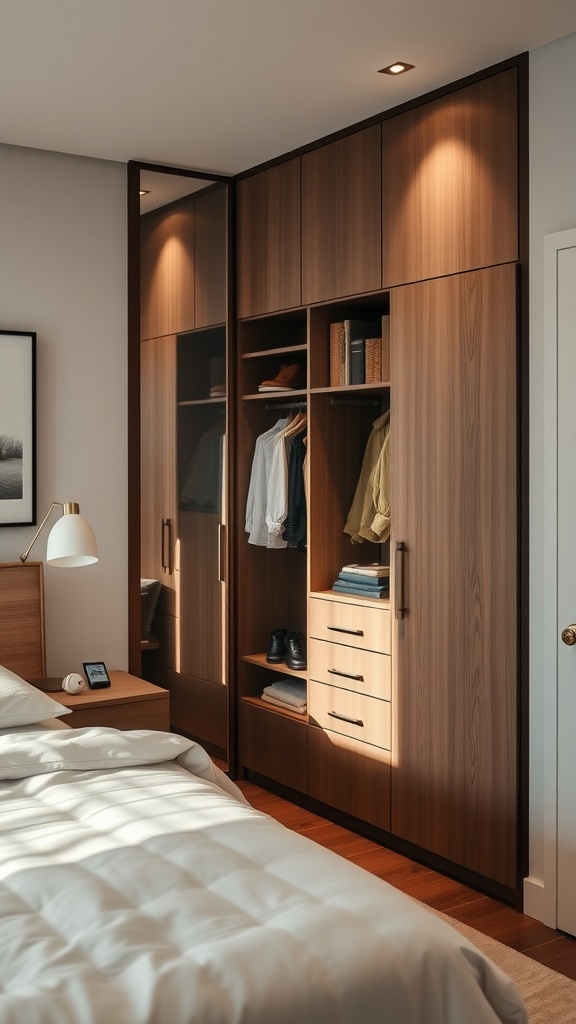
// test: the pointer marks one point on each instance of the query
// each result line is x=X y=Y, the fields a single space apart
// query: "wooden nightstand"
x=129 y=703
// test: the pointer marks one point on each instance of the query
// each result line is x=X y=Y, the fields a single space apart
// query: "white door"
x=566 y=828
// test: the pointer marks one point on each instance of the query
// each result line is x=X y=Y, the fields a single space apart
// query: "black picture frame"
x=96 y=674
x=17 y=428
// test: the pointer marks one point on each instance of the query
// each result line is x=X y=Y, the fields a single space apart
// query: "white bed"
x=137 y=885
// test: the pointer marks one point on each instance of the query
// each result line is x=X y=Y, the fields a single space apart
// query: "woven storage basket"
x=337 y=355
x=373 y=360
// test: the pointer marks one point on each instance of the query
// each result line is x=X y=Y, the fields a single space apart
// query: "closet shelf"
x=282 y=351
x=260 y=659
x=274 y=710
x=203 y=401
x=269 y=396
x=346 y=389
x=367 y=602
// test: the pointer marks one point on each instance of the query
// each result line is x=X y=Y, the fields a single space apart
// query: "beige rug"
x=550 y=997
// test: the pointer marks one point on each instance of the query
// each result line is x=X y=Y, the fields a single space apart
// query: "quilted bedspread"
x=137 y=885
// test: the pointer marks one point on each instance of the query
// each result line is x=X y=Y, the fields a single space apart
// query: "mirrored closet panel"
x=183 y=433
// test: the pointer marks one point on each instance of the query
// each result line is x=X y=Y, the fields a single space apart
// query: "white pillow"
x=23 y=704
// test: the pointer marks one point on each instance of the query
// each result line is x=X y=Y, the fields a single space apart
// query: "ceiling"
x=223 y=85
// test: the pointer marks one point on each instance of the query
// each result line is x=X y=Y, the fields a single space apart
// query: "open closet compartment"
x=286 y=581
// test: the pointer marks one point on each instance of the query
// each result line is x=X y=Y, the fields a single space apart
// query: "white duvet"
x=136 y=885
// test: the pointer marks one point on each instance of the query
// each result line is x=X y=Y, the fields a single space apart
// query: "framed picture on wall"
x=17 y=428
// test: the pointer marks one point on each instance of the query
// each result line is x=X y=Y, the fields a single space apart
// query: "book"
x=370 y=569
x=346 y=588
x=361 y=579
x=356 y=332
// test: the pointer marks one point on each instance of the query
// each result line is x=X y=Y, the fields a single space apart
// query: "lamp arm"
x=24 y=556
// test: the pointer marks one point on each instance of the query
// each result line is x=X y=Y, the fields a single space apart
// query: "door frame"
x=540 y=887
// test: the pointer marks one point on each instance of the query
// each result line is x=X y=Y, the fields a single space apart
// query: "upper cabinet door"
x=269 y=240
x=450 y=183
x=167 y=271
x=341 y=217
x=210 y=263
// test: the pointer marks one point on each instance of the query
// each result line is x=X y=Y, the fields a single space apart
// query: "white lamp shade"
x=71 y=542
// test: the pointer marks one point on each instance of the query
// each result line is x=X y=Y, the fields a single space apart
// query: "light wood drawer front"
x=350 y=624
x=352 y=714
x=362 y=671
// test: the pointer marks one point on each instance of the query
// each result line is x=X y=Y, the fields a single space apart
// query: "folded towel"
x=300 y=710
x=292 y=691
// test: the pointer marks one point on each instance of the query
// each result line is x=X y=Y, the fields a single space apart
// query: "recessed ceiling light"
x=397 y=68
x=144 y=191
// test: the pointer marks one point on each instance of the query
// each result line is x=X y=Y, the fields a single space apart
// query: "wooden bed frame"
x=22 y=639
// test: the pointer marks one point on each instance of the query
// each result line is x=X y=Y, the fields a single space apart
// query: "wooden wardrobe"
x=411 y=731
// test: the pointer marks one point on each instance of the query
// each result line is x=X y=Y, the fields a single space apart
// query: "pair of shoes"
x=287 y=647
x=286 y=379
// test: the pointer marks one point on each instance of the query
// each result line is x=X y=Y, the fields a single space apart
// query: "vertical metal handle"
x=221 y=553
x=167 y=545
x=399 y=602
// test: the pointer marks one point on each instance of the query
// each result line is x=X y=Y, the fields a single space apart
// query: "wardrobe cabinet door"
x=158 y=466
x=453 y=450
x=450 y=179
x=269 y=240
x=341 y=217
x=167 y=271
x=210 y=261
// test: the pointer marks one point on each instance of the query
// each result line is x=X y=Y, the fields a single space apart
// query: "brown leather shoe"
x=286 y=379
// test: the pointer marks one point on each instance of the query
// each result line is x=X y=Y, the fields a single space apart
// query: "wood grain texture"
x=454 y=485
x=341 y=217
x=158 y=460
x=22 y=643
x=450 y=181
x=129 y=703
x=268 y=250
x=349 y=775
x=167 y=271
x=210 y=257
x=274 y=745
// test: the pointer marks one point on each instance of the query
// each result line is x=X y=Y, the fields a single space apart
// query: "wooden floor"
x=552 y=948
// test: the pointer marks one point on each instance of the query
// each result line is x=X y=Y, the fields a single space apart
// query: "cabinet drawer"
x=350 y=775
x=349 y=668
x=351 y=714
x=273 y=745
x=351 y=624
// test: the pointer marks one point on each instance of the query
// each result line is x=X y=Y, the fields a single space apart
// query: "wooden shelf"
x=259 y=703
x=204 y=401
x=346 y=389
x=283 y=350
x=333 y=595
x=271 y=395
x=260 y=660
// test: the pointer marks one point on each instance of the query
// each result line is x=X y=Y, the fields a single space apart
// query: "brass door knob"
x=569 y=635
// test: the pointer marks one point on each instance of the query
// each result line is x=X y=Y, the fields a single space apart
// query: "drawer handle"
x=347 y=675
x=344 y=718
x=352 y=632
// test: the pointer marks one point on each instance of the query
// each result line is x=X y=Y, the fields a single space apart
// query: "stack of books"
x=372 y=580
x=287 y=693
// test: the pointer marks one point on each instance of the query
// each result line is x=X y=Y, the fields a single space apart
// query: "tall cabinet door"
x=158 y=465
x=453 y=440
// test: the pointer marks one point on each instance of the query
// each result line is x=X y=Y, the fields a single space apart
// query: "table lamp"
x=71 y=541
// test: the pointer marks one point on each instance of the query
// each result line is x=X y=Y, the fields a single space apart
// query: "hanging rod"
x=353 y=401
x=271 y=406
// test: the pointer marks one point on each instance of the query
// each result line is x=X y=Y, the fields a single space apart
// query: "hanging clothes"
x=256 y=503
x=369 y=515
x=268 y=502
x=295 y=522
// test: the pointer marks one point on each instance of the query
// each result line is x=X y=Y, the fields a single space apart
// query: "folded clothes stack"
x=287 y=693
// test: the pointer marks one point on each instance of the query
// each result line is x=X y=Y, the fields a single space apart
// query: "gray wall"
x=63 y=275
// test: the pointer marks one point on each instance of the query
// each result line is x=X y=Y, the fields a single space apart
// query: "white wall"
x=63 y=275
x=552 y=208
